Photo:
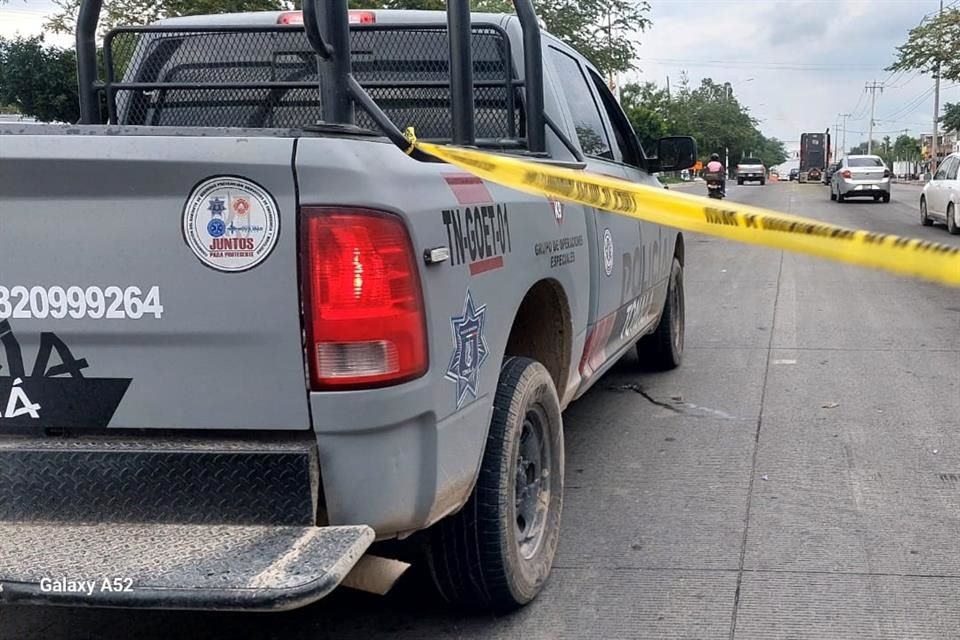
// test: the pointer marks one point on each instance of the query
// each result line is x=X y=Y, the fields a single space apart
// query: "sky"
x=796 y=64
x=26 y=17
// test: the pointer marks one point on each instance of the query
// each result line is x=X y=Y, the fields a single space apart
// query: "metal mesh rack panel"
x=269 y=77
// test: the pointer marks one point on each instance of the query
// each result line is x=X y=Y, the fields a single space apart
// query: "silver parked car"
x=861 y=177
x=941 y=196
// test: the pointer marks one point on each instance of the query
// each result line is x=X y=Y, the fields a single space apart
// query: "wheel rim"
x=676 y=314
x=532 y=485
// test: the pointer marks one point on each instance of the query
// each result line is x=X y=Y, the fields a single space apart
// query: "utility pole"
x=872 y=88
x=936 y=112
x=668 y=89
x=843 y=143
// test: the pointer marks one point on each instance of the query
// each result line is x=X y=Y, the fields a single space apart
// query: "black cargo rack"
x=314 y=73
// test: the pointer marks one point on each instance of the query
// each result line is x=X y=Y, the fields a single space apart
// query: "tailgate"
x=149 y=282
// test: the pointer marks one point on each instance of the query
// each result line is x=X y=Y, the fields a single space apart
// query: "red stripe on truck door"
x=468 y=189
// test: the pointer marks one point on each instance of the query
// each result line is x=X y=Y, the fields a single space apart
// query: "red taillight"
x=363 y=17
x=291 y=17
x=363 y=304
x=846 y=174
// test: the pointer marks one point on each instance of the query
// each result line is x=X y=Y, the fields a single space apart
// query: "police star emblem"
x=469 y=349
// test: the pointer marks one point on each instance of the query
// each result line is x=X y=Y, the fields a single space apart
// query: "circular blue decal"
x=216 y=228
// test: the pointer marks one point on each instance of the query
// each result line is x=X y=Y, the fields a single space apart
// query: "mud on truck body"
x=245 y=332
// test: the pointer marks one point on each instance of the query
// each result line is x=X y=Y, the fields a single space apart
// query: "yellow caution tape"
x=932 y=261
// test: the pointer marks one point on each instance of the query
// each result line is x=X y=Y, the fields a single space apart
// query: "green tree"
x=906 y=148
x=934 y=42
x=647 y=107
x=951 y=116
x=599 y=29
x=39 y=80
x=710 y=113
x=861 y=149
x=132 y=12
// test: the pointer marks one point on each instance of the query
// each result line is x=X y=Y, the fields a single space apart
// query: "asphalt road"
x=798 y=477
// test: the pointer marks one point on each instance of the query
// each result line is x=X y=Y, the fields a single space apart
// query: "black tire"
x=476 y=556
x=663 y=349
x=924 y=218
x=763 y=182
x=840 y=196
x=886 y=197
x=952 y=220
x=833 y=196
x=876 y=198
x=740 y=182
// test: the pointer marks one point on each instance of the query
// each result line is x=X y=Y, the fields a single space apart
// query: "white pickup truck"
x=751 y=170
x=245 y=334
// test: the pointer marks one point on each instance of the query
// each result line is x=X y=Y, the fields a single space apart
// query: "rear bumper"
x=176 y=566
x=864 y=188
x=168 y=523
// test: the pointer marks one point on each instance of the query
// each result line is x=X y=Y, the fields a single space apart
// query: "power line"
x=780 y=66
x=856 y=107
x=912 y=106
x=913 y=76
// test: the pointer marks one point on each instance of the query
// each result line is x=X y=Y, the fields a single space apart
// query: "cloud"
x=19 y=19
x=808 y=59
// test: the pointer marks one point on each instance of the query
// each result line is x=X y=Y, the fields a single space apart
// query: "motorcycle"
x=714 y=182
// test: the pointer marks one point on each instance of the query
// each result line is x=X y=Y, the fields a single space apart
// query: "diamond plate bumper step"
x=150 y=566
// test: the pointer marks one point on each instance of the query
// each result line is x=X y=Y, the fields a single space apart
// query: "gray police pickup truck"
x=246 y=332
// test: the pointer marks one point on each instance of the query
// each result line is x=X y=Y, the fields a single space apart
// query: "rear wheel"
x=663 y=349
x=496 y=553
x=924 y=218
x=952 y=221
x=840 y=196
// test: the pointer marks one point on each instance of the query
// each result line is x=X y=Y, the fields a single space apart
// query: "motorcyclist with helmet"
x=715 y=166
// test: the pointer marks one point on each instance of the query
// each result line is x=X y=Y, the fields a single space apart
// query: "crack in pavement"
x=756 y=449
x=638 y=389
x=678 y=406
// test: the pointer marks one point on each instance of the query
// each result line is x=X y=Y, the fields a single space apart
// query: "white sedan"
x=941 y=196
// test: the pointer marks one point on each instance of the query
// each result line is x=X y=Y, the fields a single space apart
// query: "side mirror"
x=674 y=153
